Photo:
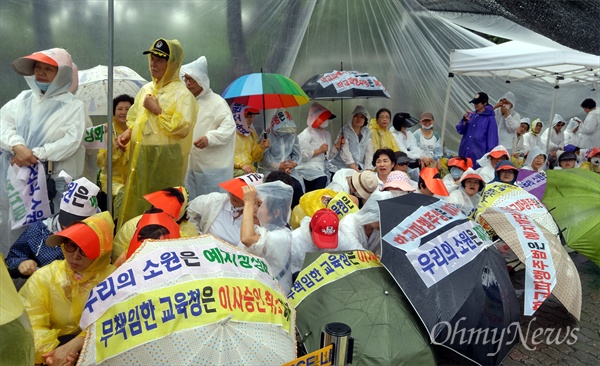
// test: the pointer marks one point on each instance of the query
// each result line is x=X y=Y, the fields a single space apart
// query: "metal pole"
x=550 y=121
x=338 y=334
x=109 y=106
x=446 y=103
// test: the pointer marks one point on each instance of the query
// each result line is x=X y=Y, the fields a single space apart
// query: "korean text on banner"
x=155 y=314
x=540 y=277
x=320 y=357
x=95 y=137
x=407 y=235
x=333 y=267
x=342 y=205
x=27 y=194
x=448 y=252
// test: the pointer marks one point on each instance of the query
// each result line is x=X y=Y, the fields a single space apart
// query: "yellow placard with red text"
x=155 y=314
x=320 y=357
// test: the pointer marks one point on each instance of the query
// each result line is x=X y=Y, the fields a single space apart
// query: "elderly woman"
x=536 y=160
x=45 y=123
x=384 y=161
x=354 y=142
x=381 y=136
x=467 y=196
x=55 y=295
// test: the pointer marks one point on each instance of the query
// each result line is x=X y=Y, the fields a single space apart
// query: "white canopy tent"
x=520 y=62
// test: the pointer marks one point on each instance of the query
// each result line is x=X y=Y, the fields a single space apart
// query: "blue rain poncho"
x=479 y=134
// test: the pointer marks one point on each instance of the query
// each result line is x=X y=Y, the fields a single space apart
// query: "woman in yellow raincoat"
x=248 y=149
x=381 y=136
x=159 y=136
x=55 y=295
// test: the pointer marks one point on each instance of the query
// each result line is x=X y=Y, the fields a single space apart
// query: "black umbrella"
x=453 y=276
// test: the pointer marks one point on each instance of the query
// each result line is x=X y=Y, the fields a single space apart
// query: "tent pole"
x=109 y=108
x=550 y=120
x=446 y=102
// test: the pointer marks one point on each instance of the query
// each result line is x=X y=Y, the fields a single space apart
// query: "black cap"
x=160 y=48
x=480 y=97
x=567 y=156
x=403 y=119
x=401 y=157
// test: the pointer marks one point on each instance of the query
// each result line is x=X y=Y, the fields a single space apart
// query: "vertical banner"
x=27 y=194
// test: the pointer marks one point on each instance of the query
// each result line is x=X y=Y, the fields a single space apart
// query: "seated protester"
x=55 y=295
x=536 y=160
x=430 y=183
x=248 y=149
x=317 y=234
x=567 y=160
x=154 y=224
x=557 y=135
x=457 y=166
x=488 y=162
x=353 y=143
x=265 y=230
x=384 y=161
x=518 y=147
x=30 y=251
x=404 y=138
x=381 y=136
x=572 y=135
x=220 y=214
x=404 y=164
x=593 y=160
x=173 y=201
x=506 y=172
x=398 y=181
x=428 y=141
x=316 y=148
x=283 y=154
x=359 y=185
x=362 y=228
x=467 y=196
x=533 y=137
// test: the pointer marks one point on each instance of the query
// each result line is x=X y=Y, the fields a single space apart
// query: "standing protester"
x=159 y=135
x=590 y=129
x=507 y=119
x=478 y=129
x=211 y=157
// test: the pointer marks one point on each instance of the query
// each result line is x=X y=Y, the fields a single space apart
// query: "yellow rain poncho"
x=54 y=296
x=120 y=162
x=382 y=138
x=248 y=150
x=160 y=144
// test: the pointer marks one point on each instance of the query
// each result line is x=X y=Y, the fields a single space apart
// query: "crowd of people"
x=185 y=163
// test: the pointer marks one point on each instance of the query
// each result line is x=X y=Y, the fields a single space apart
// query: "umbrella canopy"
x=532 y=182
x=451 y=273
x=514 y=198
x=573 y=198
x=549 y=269
x=188 y=302
x=265 y=91
x=344 y=85
x=93 y=86
x=353 y=288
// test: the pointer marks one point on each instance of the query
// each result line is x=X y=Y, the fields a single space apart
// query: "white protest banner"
x=95 y=137
x=27 y=194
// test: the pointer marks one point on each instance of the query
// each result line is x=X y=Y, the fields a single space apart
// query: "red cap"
x=169 y=204
x=496 y=154
x=460 y=163
x=234 y=186
x=593 y=152
x=434 y=183
x=324 y=229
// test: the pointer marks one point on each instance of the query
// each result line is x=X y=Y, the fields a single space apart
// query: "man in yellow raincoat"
x=159 y=135
x=55 y=295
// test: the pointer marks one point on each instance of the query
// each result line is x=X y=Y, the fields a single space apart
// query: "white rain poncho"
x=352 y=227
x=302 y=243
x=213 y=164
x=50 y=124
x=531 y=139
x=533 y=153
x=310 y=139
x=339 y=182
x=486 y=170
x=284 y=145
x=355 y=150
x=507 y=126
x=407 y=143
x=572 y=137
x=460 y=198
x=557 y=140
x=275 y=242
x=590 y=130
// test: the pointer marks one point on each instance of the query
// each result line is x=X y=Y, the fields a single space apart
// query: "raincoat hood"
x=173 y=64
x=241 y=126
x=572 y=125
x=65 y=79
x=557 y=118
x=502 y=164
x=533 y=153
x=276 y=196
x=511 y=98
x=485 y=159
x=534 y=123
x=317 y=115
x=359 y=109
x=198 y=70
x=282 y=123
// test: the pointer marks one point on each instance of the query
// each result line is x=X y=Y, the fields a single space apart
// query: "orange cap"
x=434 y=183
x=155 y=218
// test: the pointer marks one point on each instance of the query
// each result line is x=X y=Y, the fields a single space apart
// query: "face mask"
x=455 y=172
x=427 y=128
x=324 y=124
x=508 y=106
x=42 y=86
x=596 y=161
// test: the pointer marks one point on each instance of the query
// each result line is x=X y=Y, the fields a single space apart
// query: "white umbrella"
x=93 y=86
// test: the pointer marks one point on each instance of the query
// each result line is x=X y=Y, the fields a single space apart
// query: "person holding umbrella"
x=248 y=149
x=354 y=143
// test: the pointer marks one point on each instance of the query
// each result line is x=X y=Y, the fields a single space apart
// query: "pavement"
x=582 y=346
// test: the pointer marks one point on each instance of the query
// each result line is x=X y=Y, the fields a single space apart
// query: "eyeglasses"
x=402 y=164
x=71 y=247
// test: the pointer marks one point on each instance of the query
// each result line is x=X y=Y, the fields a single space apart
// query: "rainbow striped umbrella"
x=265 y=91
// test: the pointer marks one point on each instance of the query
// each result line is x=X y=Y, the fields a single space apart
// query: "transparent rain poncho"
x=557 y=140
x=355 y=150
x=275 y=240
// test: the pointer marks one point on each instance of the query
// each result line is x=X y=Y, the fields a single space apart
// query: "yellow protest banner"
x=334 y=266
x=155 y=314
x=320 y=357
x=342 y=205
